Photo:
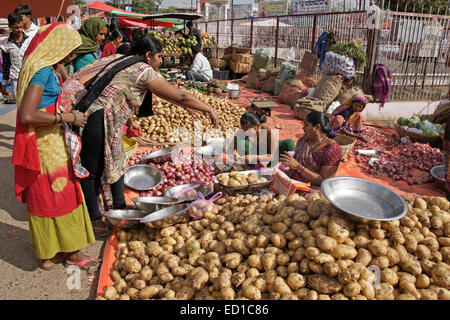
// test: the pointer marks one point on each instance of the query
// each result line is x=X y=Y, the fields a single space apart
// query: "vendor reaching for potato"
x=112 y=97
x=347 y=118
x=316 y=156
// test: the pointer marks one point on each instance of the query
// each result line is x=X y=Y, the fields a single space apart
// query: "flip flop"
x=83 y=264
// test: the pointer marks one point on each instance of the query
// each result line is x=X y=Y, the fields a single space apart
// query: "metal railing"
x=412 y=45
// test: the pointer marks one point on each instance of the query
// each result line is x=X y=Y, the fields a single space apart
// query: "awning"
x=139 y=23
x=39 y=8
x=97 y=5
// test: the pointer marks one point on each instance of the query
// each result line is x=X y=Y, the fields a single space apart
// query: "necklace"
x=317 y=146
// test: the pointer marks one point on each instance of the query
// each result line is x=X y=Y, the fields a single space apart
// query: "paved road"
x=21 y=277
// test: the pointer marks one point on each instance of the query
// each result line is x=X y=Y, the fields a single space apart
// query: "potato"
x=323 y=284
x=324 y=297
x=420 y=203
x=381 y=262
x=269 y=261
x=323 y=258
x=367 y=289
x=443 y=294
x=325 y=243
x=111 y=293
x=412 y=266
x=389 y=276
x=149 y=292
x=441 y=275
x=422 y=281
x=331 y=269
x=339 y=296
x=132 y=265
x=348 y=275
x=352 y=289
x=343 y=251
x=363 y=256
x=377 y=247
x=385 y=292
x=251 y=292
x=227 y=293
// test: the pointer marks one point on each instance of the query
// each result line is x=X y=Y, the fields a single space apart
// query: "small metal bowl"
x=124 y=218
x=259 y=173
x=174 y=192
x=160 y=155
x=364 y=199
x=235 y=94
x=167 y=217
x=152 y=204
x=142 y=177
x=438 y=173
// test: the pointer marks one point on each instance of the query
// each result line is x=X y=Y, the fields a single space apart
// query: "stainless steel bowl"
x=167 y=217
x=259 y=173
x=364 y=199
x=235 y=94
x=152 y=204
x=177 y=191
x=161 y=155
x=142 y=177
x=125 y=218
x=438 y=173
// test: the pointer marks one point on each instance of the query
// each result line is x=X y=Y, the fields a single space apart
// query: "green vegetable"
x=402 y=121
x=353 y=51
x=435 y=134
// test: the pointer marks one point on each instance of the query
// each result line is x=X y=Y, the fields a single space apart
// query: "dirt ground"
x=22 y=279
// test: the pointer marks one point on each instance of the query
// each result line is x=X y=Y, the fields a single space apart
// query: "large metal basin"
x=364 y=199
x=438 y=173
x=142 y=177
x=167 y=217
x=124 y=218
x=152 y=204
x=160 y=155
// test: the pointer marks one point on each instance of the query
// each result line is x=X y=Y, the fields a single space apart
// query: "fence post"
x=232 y=33
x=276 y=41
x=218 y=44
x=251 y=34
x=313 y=41
x=372 y=39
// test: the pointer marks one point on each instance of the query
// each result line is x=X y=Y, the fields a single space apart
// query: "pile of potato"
x=237 y=179
x=168 y=118
x=265 y=247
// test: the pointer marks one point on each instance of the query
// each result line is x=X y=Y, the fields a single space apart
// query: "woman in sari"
x=347 y=118
x=114 y=42
x=316 y=156
x=112 y=97
x=45 y=179
x=92 y=32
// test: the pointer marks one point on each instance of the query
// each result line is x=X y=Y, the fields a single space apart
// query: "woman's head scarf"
x=359 y=98
x=88 y=31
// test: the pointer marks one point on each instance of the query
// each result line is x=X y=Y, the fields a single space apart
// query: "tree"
x=79 y=2
x=416 y=6
x=171 y=9
x=158 y=4
x=144 y=6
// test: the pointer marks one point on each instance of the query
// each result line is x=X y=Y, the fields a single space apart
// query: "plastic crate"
x=221 y=75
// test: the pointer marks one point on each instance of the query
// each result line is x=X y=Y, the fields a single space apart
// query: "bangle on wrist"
x=74 y=116
x=60 y=118
x=54 y=122
x=300 y=168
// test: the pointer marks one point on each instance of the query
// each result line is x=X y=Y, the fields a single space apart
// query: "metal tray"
x=174 y=192
x=369 y=152
x=160 y=155
x=152 y=204
x=364 y=199
x=438 y=173
x=124 y=218
x=167 y=217
x=259 y=173
x=142 y=177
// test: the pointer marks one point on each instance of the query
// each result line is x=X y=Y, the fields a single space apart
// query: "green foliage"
x=351 y=50
x=171 y=9
x=416 y=6
x=144 y=6
x=79 y=2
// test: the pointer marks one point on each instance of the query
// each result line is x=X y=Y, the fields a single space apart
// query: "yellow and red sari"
x=44 y=175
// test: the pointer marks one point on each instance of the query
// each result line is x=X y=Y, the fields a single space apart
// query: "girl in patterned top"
x=316 y=156
x=347 y=118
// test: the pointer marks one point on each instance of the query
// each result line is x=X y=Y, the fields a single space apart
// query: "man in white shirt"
x=29 y=28
x=200 y=69
x=13 y=50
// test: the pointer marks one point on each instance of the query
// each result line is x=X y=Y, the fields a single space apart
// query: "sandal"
x=85 y=264
x=59 y=259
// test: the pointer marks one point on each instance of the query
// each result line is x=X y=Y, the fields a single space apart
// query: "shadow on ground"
x=9 y=203
x=16 y=248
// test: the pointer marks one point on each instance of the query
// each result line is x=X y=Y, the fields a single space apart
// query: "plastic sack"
x=278 y=86
x=283 y=185
x=287 y=71
x=261 y=58
x=339 y=64
x=203 y=208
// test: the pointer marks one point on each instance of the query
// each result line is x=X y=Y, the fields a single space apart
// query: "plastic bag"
x=203 y=208
x=261 y=59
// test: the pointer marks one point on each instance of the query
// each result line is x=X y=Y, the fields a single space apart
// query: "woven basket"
x=415 y=137
x=130 y=146
x=345 y=143
x=148 y=143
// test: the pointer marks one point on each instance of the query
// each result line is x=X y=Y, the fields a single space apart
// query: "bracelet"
x=60 y=118
x=300 y=168
x=54 y=122
x=74 y=116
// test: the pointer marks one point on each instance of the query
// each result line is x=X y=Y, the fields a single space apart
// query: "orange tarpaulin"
x=39 y=8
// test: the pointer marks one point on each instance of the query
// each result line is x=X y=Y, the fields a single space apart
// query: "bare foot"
x=49 y=263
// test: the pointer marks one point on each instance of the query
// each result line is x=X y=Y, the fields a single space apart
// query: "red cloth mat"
x=107 y=264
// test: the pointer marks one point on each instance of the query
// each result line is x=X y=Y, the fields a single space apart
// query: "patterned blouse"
x=124 y=94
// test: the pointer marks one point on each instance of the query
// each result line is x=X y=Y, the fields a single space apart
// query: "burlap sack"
x=289 y=94
x=261 y=74
x=251 y=79
x=259 y=83
x=328 y=88
x=269 y=85
x=299 y=84
x=307 y=79
x=347 y=95
x=272 y=72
